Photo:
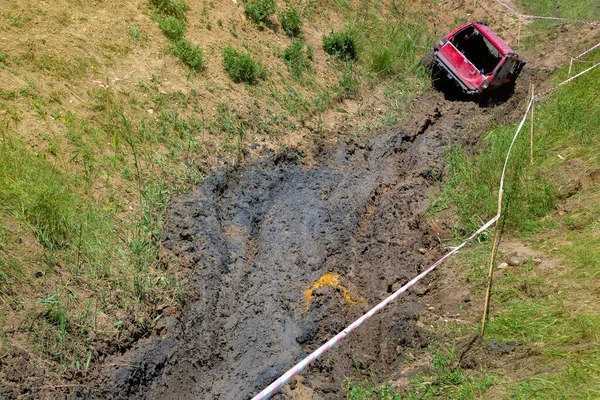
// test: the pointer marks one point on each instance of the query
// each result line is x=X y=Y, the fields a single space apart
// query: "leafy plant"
x=175 y=9
x=291 y=21
x=241 y=67
x=172 y=27
x=190 y=55
x=297 y=57
x=382 y=60
x=260 y=10
x=341 y=44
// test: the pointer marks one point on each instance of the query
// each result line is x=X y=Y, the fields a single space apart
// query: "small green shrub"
x=172 y=27
x=297 y=58
x=341 y=44
x=190 y=55
x=171 y=8
x=382 y=61
x=241 y=67
x=291 y=21
x=260 y=10
x=2 y=58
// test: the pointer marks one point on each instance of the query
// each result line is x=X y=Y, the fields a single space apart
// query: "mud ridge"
x=254 y=240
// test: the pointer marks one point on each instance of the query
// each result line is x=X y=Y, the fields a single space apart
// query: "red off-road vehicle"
x=475 y=59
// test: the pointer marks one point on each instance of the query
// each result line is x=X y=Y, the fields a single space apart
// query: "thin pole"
x=570 y=67
x=519 y=33
x=531 y=130
x=108 y=104
x=491 y=267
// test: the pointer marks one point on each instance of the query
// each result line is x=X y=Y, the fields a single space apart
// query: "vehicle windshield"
x=477 y=49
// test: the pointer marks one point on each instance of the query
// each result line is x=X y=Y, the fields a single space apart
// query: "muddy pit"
x=280 y=256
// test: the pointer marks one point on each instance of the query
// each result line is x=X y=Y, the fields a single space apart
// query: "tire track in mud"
x=254 y=240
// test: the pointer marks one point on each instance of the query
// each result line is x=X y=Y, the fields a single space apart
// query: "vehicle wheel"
x=427 y=60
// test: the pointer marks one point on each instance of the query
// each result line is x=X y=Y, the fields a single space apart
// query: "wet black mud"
x=253 y=240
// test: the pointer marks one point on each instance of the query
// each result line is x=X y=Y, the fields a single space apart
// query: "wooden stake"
x=488 y=290
x=108 y=104
x=531 y=130
x=519 y=34
x=570 y=67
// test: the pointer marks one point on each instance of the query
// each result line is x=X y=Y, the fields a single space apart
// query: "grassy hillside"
x=86 y=172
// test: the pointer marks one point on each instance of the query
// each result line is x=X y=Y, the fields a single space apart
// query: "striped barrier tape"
x=586 y=52
x=98 y=83
x=273 y=387
x=509 y=8
x=553 y=88
x=526 y=16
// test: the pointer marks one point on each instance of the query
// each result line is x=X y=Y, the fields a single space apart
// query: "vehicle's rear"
x=476 y=59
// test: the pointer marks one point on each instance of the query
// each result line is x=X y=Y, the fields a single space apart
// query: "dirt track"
x=254 y=240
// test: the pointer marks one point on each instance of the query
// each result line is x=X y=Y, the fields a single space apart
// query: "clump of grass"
x=260 y=10
x=297 y=57
x=173 y=27
x=342 y=44
x=291 y=21
x=241 y=67
x=348 y=84
x=381 y=61
x=136 y=33
x=172 y=8
x=190 y=55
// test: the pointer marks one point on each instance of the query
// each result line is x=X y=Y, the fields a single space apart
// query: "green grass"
x=291 y=21
x=259 y=11
x=298 y=57
x=241 y=67
x=584 y=9
x=173 y=27
x=579 y=380
x=172 y=8
x=190 y=55
x=69 y=227
x=342 y=44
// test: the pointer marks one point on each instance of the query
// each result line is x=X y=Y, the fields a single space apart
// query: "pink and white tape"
x=588 y=51
x=98 y=83
x=553 y=88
